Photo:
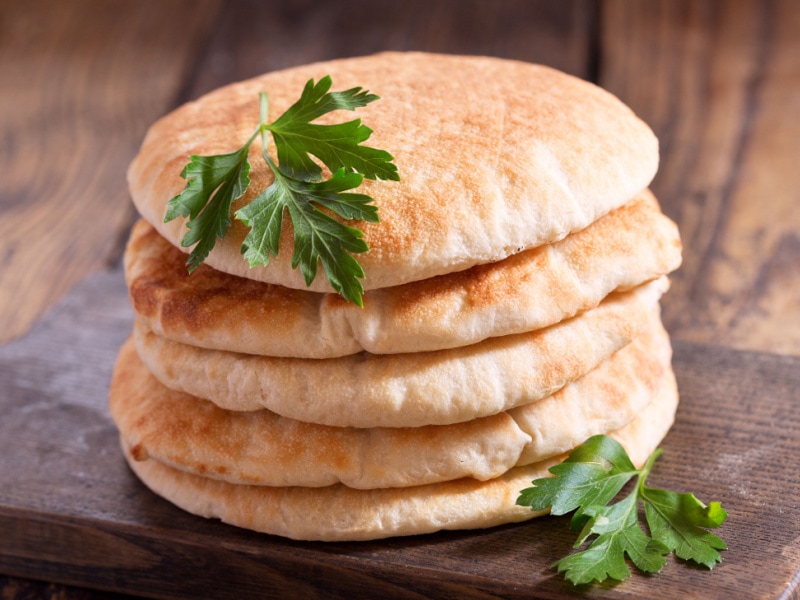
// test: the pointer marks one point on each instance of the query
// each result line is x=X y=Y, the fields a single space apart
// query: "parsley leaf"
x=317 y=236
x=619 y=534
x=592 y=476
x=298 y=190
x=678 y=520
x=213 y=183
x=337 y=146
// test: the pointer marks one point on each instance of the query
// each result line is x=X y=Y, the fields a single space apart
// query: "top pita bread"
x=531 y=290
x=495 y=156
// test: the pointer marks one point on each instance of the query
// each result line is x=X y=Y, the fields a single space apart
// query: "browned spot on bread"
x=139 y=452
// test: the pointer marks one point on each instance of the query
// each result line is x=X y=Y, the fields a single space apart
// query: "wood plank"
x=81 y=82
x=258 y=37
x=718 y=82
x=71 y=511
x=15 y=588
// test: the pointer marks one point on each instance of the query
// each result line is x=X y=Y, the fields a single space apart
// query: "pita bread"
x=495 y=156
x=407 y=390
x=604 y=400
x=340 y=513
x=531 y=290
x=263 y=448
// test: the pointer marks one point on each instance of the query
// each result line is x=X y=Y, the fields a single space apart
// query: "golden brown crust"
x=528 y=291
x=262 y=448
x=604 y=400
x=339 y=513
x=495 y=156
x=407 y=390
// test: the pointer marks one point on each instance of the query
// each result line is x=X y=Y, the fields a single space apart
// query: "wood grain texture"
x=81 y=81
x=72 y=512
x=15 y=588
x=717 y=81
x=253 y=37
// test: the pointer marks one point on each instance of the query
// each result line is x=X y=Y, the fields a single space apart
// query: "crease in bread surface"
x=340 y=513
x=262 y=448
x=533 y=289
x=407 y=390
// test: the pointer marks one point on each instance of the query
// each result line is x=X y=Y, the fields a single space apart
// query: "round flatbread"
x=263 y=448
x=340 y=513
x=604 y=400
x=407 y=390
x=536 y=288
x=495 y=156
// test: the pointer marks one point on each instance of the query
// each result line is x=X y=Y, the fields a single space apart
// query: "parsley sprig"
x=592 y=476
x=213 y=183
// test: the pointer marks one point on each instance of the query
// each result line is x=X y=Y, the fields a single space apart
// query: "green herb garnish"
x=591 y=477
x=213 y=183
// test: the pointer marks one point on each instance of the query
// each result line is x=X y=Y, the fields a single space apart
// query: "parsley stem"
x=263 y=109
x=645 y=471
x=262 y=124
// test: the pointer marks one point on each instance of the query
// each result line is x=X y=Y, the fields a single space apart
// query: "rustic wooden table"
x=80 y=81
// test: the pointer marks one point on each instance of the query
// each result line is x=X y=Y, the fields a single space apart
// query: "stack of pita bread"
x=511 y=311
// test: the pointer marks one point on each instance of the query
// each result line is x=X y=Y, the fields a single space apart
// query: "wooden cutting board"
x=71 y=511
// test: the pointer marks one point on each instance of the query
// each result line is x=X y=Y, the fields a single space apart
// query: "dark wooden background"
x=719 y=82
